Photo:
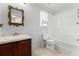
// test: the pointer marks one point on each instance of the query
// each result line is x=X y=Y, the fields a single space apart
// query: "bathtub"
x=70 y=48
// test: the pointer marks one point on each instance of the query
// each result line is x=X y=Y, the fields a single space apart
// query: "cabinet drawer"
x=23 y=48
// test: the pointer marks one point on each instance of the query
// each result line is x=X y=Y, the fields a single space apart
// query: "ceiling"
x=56 y=8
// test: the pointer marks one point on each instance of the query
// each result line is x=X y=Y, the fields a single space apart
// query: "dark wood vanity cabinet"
x=19 y=48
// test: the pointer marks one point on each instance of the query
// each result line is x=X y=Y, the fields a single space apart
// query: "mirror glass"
x=16 y=16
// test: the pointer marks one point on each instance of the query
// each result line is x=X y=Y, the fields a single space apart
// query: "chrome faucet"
x=15 y=33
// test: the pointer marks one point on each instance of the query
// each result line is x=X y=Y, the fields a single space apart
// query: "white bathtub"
x=70 y=48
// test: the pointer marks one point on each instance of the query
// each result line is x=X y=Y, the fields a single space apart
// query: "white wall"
x=31 y=22
x=0 y=14
x=63 y=26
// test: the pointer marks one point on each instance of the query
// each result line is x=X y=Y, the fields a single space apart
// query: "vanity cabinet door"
x=7 y=49
x=19 y=48
x=23 y=48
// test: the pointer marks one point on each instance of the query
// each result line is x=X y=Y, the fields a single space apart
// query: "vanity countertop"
x=14 y=38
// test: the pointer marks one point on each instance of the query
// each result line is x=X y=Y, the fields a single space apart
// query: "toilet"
x=48 y=49
x=49 y=41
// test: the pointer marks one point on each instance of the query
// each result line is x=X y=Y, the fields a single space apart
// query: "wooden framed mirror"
x=16 y=16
